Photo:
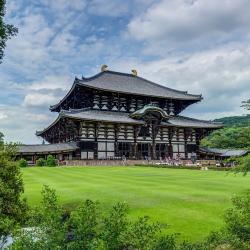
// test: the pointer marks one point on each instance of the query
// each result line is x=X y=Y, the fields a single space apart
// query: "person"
x=123 y=159
x=193 y=157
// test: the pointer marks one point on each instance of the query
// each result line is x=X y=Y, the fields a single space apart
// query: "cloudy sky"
x=197 y=45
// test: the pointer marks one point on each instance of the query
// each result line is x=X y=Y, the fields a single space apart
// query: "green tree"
x=23 y=163
x=236 y=234
x=51 y=161
x=6 y=30
x=13 y=207
x=84 y=224
x=229 y=137
x=41 y=162
x=50 y=227
x=1 y=140
x=243 y=165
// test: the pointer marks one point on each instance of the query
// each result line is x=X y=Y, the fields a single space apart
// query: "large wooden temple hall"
x=113 y=115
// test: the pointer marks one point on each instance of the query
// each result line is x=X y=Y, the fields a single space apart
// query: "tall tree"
x=6 y=30
x=13 y=207
x=1 y=140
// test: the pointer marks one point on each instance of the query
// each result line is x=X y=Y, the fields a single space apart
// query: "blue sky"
x=197 y=45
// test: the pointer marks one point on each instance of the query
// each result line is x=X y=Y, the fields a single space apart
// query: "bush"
x=236 y=233
x=244 y=165
x=23 y=163
x=13 y=207
x=51 y=161
x=41 y=162
x=87 y=227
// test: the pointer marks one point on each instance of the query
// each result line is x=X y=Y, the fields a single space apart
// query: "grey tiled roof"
x=224 y=152
x=98 y=115
x=129 y=84
x=231 y=153
x=121 y=117
x=183 y=121
x=50 y=148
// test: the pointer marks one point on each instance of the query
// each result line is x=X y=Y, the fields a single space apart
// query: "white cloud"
x=39 y=100
x=3 y=116
x=222 y=75
x=169 y=24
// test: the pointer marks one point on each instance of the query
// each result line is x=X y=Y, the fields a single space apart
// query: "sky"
x=201 y=46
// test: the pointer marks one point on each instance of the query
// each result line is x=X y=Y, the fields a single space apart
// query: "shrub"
x=87 y=227
x=13 y=207
x=236 y=233
x=41 y=162
x=244 y=165
x=23 y=163
x=51 y=161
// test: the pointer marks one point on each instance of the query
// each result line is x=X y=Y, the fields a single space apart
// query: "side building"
x=113 y=115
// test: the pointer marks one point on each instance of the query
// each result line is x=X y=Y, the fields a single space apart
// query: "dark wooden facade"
x=141 y=125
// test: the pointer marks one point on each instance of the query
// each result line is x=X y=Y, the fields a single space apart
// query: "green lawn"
x=192 y=202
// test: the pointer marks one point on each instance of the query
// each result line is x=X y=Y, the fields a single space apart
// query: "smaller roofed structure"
x=222 y=153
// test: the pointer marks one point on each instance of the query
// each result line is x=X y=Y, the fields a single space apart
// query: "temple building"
x=113 y=115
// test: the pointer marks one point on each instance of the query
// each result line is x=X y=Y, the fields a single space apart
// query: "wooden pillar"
x=185 y=142
x=153 y=146
x=136 y=132
x=170 y=147
x=96 y=126
x=116 y=139
x=198 y=137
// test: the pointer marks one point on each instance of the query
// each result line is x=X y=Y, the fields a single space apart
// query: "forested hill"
x=235 y=134
x=239 y=121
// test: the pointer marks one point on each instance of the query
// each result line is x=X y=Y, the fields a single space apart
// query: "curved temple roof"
x=129 y=84
x=120 y=117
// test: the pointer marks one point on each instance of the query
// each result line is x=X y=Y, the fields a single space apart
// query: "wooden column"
x=116 y=128
x=170 y=147
x=136 y=132
x=96 y=141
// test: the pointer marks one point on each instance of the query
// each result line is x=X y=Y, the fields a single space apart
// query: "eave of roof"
x=122 y=117
x=224 y=152
x=118 y=87
x=47 y=148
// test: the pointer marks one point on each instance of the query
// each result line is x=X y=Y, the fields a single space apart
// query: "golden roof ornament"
x=134 y=72
x=104 y=67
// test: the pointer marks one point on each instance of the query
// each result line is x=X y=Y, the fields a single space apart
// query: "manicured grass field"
x=192 y=202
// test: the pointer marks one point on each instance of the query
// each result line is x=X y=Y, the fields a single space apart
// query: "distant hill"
x=235 y=134
x=239 y=121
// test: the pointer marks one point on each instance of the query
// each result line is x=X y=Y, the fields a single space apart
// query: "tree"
x=246 y=104
x=23 y=163
x=228 y=137
x=13 y=207
x=1 y=140
x=236 y=233
x=6 y=30
x=51 y=161
x=87 y=227
x=243 y=165
x=41 y=162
